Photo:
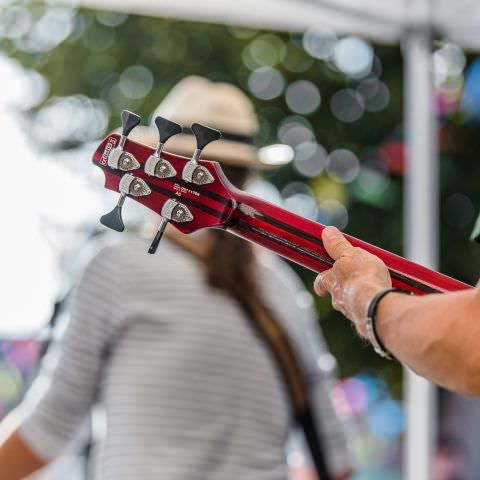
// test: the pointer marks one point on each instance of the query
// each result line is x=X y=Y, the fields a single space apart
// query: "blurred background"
x=336 y=98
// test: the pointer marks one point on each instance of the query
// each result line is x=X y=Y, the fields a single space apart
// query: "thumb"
x=335 y=243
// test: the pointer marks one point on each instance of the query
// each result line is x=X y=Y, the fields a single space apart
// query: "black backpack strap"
x=306 y=421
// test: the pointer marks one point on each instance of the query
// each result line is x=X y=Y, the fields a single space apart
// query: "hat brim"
x=229 y=152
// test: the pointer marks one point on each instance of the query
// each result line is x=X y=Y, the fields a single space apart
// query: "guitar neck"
x=299 y=240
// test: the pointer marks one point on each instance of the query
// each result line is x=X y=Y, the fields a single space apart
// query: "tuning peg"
x=171 y=211
x=166 y=130
x=193 y=172
x=156 y=166
x=129 y=185
x=158 y=235
x=114 y=218
x=118 y=158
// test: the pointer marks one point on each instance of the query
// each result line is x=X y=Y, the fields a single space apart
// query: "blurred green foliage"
x=103 y=45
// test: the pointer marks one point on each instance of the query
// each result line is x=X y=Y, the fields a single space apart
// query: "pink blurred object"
x=21 y=353
x=304 y=472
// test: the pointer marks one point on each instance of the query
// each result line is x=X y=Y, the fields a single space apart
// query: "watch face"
x=476 y=231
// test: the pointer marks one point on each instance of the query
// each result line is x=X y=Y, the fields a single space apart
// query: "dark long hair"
x=230 y=265
x=230 y=260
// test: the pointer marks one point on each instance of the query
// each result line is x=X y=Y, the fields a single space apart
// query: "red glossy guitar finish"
x=221 y=205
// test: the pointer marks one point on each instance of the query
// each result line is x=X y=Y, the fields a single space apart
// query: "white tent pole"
x=421 y=233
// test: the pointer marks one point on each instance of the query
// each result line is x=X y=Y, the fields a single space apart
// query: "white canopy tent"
x=412 y=23
x=385 y=22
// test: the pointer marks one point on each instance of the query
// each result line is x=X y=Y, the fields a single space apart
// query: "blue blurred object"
x=377 y=474
x=470 y=103
x=386 y=419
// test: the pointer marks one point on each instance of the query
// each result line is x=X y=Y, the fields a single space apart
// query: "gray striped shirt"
x=190 y=392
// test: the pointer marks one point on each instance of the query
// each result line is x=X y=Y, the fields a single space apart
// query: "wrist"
x=387 y=317
x=373 y=333
x=365 y=295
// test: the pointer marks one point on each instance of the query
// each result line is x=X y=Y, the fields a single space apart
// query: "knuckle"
x=359 y=252
x=328 y=280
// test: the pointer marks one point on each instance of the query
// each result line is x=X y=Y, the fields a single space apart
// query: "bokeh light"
x=373 y=181
x=303 y=97
x=347 y=105
x=353 y=56
x=333 y=212
x=343 y=165
x=15 y=22
x=98 y=37
x=265 y=190
x=295 y=59
x=386 y=420
x=295 y=130
x=470 y=101
x=325 y=188
x=375 y=94
x=302 y=204
x=310 y=159
x=70 y=119
x=319 y=42
x=448 y=61
x=276 y=154
x=51 y=29
x=136 y=81
x=266 y=83
x=264 y=50
x=26 y=88
x=292 y=188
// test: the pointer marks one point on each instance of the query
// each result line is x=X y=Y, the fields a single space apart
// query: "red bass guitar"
x=193 y=194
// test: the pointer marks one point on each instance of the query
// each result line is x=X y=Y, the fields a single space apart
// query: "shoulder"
x=131 y=253
x=276 y=273
x=285 y=293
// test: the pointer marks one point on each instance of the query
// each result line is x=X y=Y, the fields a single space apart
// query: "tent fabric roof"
x=384 y=21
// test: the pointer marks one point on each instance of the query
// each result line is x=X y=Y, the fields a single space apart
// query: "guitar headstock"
x=188 y=192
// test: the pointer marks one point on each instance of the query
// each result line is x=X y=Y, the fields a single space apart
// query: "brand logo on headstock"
x=179 y=190
x=108 y=149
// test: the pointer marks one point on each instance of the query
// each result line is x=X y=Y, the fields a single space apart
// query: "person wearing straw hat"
x=167 y=345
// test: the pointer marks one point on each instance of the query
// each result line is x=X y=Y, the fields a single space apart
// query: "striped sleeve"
x=59 y=403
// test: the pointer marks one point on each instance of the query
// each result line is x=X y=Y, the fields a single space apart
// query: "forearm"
x=437 y=336
x=17 y=460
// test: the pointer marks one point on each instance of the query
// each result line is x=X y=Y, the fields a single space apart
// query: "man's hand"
x=354 y=279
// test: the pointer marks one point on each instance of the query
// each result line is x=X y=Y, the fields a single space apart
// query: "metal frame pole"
x=421 y=233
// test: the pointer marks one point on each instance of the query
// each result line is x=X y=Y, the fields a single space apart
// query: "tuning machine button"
x=129 y=185
x=118 y=158
x=193 y=172
x=156 y=166
x=171 y=211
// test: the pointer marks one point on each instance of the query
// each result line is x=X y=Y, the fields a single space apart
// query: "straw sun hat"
x=218 y=105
